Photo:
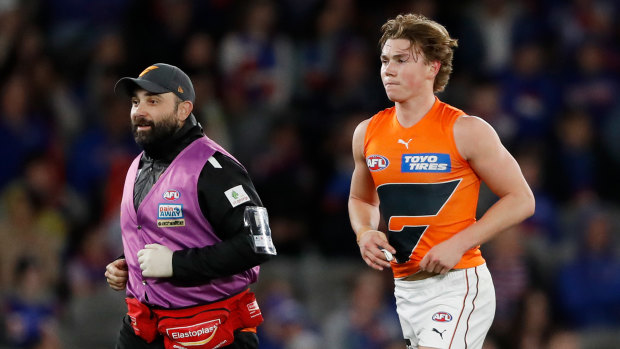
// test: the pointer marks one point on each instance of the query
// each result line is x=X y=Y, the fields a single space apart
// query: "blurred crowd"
x=282 y=85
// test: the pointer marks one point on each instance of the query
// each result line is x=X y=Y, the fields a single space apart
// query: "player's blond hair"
x=426 y=36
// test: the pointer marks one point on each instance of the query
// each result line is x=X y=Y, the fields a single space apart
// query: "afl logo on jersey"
x=377 y=162
x=171 y=194
x=442 y=317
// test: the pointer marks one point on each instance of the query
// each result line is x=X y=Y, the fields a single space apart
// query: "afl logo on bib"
x=377 y=162
x=171 y=194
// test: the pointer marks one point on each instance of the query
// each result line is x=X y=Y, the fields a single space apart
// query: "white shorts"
x=452 y=311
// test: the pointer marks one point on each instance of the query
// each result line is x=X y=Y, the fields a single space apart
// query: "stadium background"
x=282 y=85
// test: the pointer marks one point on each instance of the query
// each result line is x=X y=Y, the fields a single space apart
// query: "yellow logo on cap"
x=153 y=67
x=180 y=89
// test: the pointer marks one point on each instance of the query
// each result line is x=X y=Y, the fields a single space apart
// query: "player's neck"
x=411 y=111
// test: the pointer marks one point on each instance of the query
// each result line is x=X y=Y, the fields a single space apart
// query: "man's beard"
x=158 y=134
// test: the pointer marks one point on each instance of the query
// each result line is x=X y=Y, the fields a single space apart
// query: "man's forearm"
x=363 y=216
x=229 y=257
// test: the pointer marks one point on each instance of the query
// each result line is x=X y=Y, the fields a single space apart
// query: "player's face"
x=404 y=72
x=154 y=117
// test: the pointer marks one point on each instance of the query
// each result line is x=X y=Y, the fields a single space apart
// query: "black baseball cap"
x=159 y=78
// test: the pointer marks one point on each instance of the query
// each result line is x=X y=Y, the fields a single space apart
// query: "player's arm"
x=235 y=253
x=479 y=144
x=364 y=207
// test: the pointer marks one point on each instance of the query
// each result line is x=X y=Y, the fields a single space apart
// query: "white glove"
x=155 y=261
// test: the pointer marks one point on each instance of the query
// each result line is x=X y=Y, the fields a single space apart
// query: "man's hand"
x=116 y=274
x=371 y=242
x=442 y=257
x=155 y=261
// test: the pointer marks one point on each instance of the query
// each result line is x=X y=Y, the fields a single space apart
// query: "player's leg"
x=448 y=311
x=462 y=315
x=412 y=298
x=478 y=309
x=406 y=305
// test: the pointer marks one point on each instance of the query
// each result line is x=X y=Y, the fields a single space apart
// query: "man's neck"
x=410 y=112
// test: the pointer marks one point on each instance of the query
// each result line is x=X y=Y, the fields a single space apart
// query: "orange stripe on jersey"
x=428 y=192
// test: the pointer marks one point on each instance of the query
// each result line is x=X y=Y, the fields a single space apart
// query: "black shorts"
x=127 y=339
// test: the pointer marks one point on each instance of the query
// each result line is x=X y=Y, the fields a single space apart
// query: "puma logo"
x=406 y=144
x=440 y=333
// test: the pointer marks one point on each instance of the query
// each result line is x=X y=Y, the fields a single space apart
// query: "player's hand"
x=441 y=258
x=155 y=261
x=116 y=274
x=371 y=242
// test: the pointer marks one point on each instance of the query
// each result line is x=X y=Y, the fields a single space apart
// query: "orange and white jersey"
x=428 y=191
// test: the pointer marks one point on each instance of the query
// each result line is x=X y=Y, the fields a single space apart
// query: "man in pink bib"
x=194 y=232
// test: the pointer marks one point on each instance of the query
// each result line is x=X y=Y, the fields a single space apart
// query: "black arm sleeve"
x=234 y=253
